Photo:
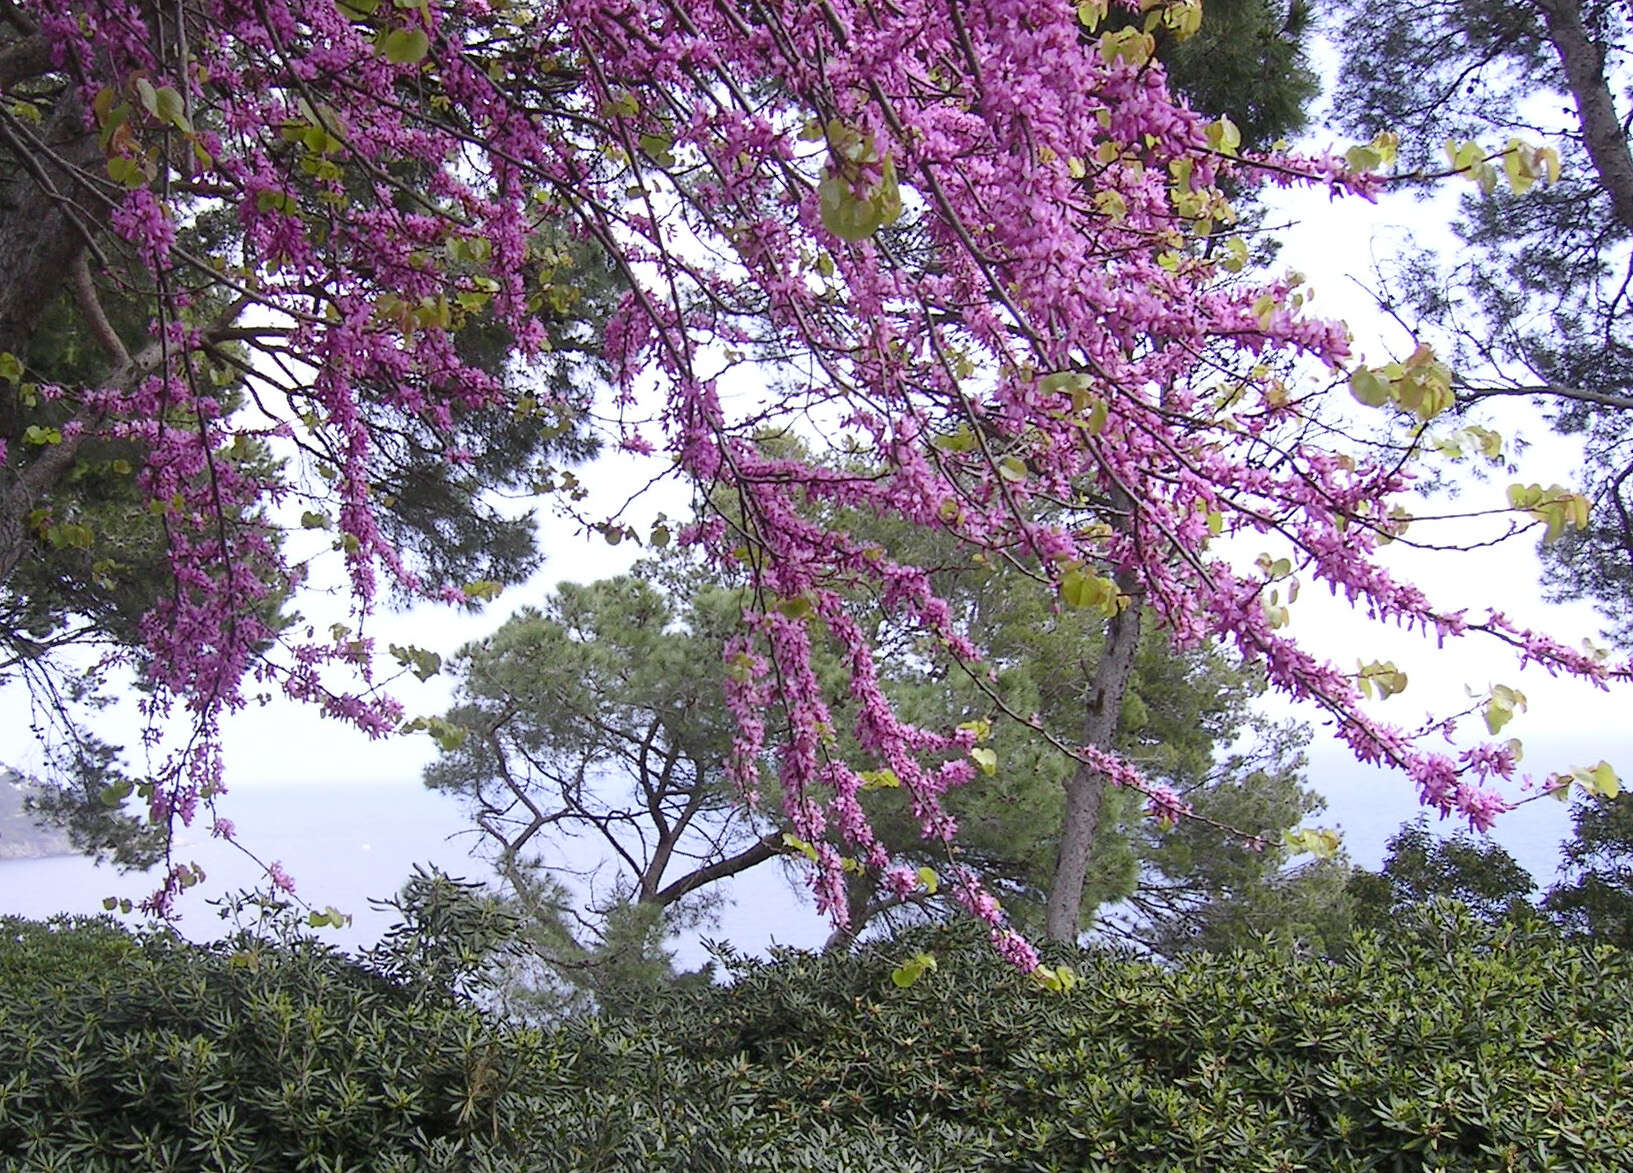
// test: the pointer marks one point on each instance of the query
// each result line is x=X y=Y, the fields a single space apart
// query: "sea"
x=349 y=846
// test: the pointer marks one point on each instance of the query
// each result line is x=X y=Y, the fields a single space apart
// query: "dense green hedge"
x=1451 y=1046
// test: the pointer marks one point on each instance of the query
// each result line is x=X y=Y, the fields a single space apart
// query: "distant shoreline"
x=31 y=853
x=22 y=836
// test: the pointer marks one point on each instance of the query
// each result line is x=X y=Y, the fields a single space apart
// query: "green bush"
x=1453 y=1045
x=159 y=1054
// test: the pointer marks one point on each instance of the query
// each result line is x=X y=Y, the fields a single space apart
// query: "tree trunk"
x=1602 y=130
x=1086 y=788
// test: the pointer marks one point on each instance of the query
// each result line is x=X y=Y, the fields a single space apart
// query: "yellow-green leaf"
x=1317 y=841
x=404 y=46
x=1223 y=136
x=879 y=779
x=1366 y=386
x=1600 y=780
x=912 y=969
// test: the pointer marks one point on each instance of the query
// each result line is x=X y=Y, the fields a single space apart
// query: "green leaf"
x=424 y=664
x=273 y=200
x=1362 y=159
x=127 y=172
x=911 y=970
x=985 y=758
x=1384 y=676
x=845 y=214
x=799 y=845
x=1600 y=780
x=981 y=727
x=887 y=197
x=1058 y=979
x=170 y=106
x=797 y=607
x=483 y=590
x=885 y=779
x=1062 y=381
x=1078 y=589
x=1501 y=705
x=1131 y=44
x=1368 y=388
x=147 y=96
x=962 y=440
x=1317 y=841
x=657 y=147
x=446 y=734
x=116 y=794
x=11 y=368
x=404 y=46
x=1223 y=136
x=70 y=534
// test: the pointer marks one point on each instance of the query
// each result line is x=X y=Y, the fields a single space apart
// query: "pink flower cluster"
x=1039 y=357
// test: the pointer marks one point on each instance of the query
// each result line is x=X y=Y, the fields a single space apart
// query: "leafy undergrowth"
x=1450 y=1045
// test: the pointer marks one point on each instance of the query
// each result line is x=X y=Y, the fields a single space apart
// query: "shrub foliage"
x=1452 y=1045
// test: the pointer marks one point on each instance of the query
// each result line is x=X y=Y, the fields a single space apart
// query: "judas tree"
x=89 y=556
x=979 y=242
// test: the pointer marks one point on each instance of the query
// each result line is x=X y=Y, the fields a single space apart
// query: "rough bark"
x=1602 y=133
x=1086 y=788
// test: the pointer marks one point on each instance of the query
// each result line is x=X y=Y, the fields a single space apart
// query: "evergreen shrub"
x=1448 y=1045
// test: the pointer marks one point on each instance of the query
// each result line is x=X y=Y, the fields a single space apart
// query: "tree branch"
x=768 y=847
x=1579 y=394
x=79 y=278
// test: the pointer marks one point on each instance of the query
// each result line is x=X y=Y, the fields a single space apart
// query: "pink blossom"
x=279 y=878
